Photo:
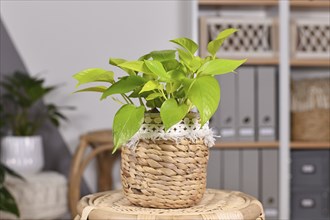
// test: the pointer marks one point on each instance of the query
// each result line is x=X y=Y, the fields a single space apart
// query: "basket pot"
x=23 y=154
x=164 y=172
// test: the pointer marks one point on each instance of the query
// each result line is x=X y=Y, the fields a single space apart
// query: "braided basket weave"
x=161 y=172
x=310 y=106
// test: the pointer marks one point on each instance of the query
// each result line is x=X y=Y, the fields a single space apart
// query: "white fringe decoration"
x=189 y=128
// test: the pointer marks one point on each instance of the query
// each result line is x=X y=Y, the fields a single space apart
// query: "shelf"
x=239 y=2
x=262 y=61
x=310 y=3
x=294 y=62
x=310 y=62
x=272 y=144
x=310 y=145
x=293 y=3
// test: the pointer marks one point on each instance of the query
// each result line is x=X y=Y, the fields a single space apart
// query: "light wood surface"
x=239 y=2
x=215 y=204
x=310 y=145
x=224 y=145
x=293 y=3
x=310 y=62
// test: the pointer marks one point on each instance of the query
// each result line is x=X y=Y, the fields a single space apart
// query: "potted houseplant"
x=21 y=147
x=165 y=137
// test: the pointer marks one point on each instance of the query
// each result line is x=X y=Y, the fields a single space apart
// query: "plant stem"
x=141 y=102
x=129 y=100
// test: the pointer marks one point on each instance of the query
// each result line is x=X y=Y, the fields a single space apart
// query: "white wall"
x=59 y=38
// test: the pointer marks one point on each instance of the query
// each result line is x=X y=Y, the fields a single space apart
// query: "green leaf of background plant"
x=220 y=66
x=172 y=113
x=127 y=122
x=7 y=202
x=94 y=75
x=186 y=43
x=157 y=68
x=93 y=89
x=205 y=95
x=215 y=45
x=150 y=85
x=124 y=85
x=117 y=61
x=163 y=55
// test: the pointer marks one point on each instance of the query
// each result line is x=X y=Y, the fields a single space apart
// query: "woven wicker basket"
x=161 y=172
x=310 y=106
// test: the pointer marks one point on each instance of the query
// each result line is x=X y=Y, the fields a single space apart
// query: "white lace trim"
x=189 y=128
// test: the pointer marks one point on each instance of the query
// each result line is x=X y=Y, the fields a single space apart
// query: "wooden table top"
x=215 y=205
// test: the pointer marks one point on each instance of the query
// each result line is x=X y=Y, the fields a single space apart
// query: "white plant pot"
x=22 y=154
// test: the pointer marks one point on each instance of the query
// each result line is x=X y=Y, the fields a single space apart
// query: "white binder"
x=246 y=104
x=214 y=169
x=250 y=172
x=269 y=183
x=231 y=173
x=267 y=120
x=227 y=108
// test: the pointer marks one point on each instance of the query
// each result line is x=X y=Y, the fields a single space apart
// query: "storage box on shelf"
x=310 y=38
x=255 y=37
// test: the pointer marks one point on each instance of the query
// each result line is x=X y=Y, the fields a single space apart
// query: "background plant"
x=7 y=201
x=171 y=82
x=18 y=109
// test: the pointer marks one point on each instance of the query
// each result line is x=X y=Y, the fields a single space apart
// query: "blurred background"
x=273 y=118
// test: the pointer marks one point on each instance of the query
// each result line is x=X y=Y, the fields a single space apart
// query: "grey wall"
x=60 y=38
x=54 y=146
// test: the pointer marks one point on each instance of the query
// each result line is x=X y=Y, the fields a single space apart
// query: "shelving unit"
x=272 y=144
x=244 y=145
x=293 y=3
x=285 y=63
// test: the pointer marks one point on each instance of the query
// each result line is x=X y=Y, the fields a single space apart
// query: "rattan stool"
x=215 y=205
x=93 y=145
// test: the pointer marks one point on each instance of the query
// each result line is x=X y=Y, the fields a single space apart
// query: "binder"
x=246 y=104
x=231 y=169
x=227 y=108
x=267 y=120
x=269 y=183
x=214 y=169
x=250 y=172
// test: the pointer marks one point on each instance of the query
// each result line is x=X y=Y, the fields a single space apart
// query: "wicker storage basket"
x=310 y=106
x=166 y=170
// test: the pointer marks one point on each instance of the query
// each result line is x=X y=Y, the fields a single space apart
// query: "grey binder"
x=214 y=169
x=227 y=107
x=250 y=172
x=231 y=169
x=270 y=179
x=246 y=104
x=267 y=120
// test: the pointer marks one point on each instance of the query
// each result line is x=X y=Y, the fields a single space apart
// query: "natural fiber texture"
x=215 y=205
x=310 y=94
x=311 y=125
x=310 y=106
x=164 y=174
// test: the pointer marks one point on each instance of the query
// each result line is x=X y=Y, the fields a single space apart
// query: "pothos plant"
x=171 y=82
x=22 y=93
